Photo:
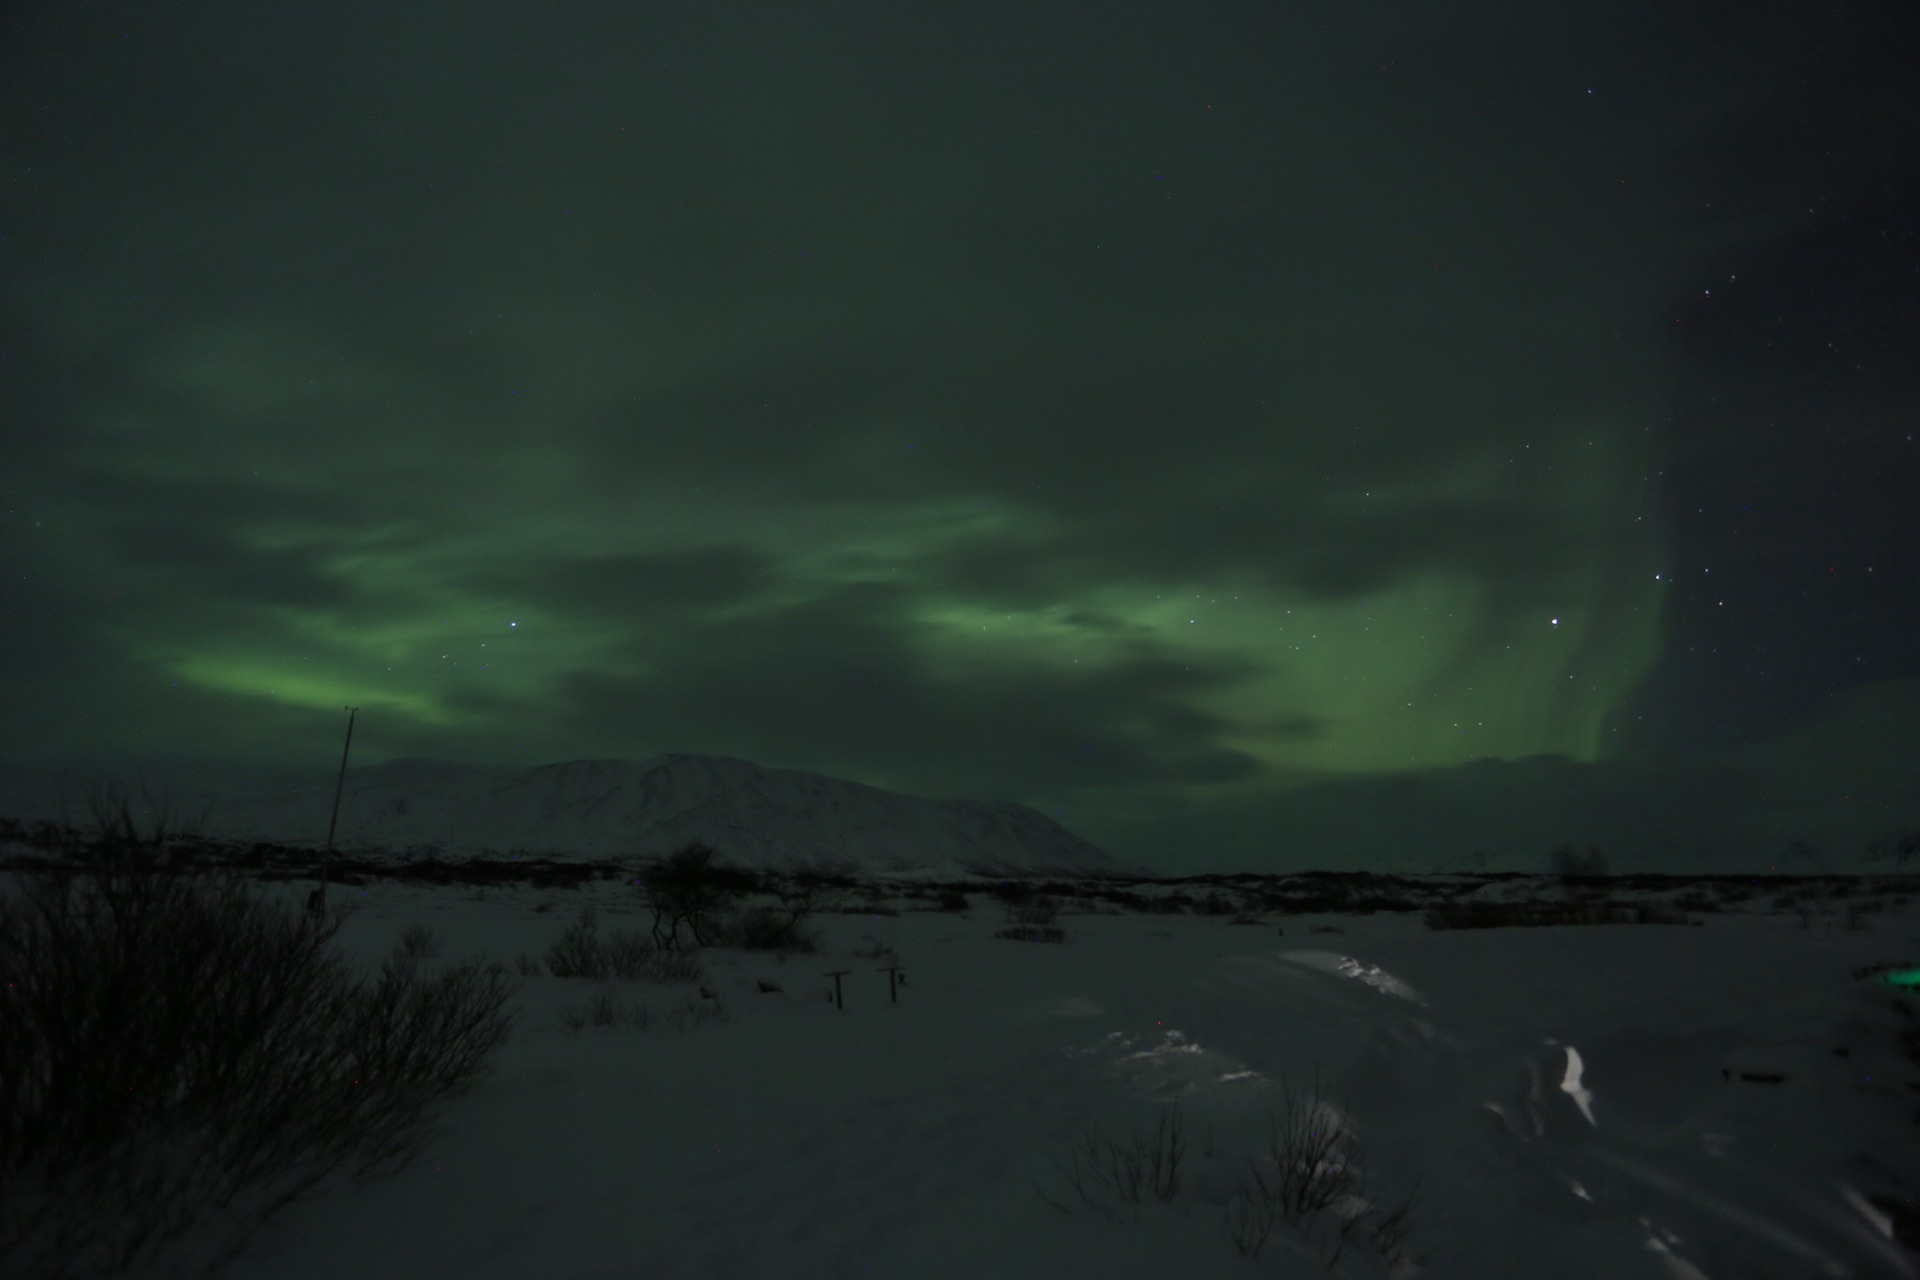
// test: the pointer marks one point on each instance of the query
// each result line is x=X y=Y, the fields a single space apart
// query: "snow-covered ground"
x=1723 y=1098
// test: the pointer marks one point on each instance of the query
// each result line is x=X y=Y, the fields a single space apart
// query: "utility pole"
x=317 y=902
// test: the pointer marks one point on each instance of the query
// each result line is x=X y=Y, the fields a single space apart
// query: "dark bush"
x=770 y=929
x=1038 y=910
x=179 y=1059
x=1506 y=915
x=418 y=942
x=577 y=953
x=1031 y=933
x=581 y=952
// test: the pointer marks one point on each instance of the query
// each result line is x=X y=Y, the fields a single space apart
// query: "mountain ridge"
x=599 y=808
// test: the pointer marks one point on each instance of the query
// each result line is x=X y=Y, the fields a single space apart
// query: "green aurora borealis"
x=1141 y=413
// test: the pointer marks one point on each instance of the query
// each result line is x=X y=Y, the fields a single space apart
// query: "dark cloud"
x=175 y=559
x=650 y=590
x=839 y=679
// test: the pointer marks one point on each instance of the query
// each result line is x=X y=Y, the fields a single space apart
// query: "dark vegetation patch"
x=52 y=846
x=1508 y=915
x=1490 y=895
x=230 y=1063
x=1031 y=933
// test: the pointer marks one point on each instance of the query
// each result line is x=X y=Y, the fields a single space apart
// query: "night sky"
x=1259 y=434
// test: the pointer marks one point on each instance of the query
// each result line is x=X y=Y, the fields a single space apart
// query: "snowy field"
x=1723 y=1097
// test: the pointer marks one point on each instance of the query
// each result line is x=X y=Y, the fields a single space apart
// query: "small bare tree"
x=690 y=889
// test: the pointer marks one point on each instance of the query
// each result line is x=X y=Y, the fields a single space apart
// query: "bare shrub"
x=1012 y=892
x=1391 y=1229
x=1501 y=915
x=695 y=1011
x=178 y=1057
x=675 y=966
x=1309 y=1164
x=771 y=929
x=1113 y=1176
x=1249 y=1222
x=1031 y=933
x=1303 y=1171
x=602 y=1009
x=418 y=942
x=577 y=953
x=581 y=952
x=1036 y=910
x=628 y=955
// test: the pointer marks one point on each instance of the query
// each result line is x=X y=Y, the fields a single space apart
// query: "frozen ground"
x=1723 y=1098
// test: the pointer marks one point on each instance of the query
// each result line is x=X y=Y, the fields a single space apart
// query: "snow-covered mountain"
x=605 y=809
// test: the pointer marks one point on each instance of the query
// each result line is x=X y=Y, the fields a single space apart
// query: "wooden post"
x=836 y=975
x=317 y=901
